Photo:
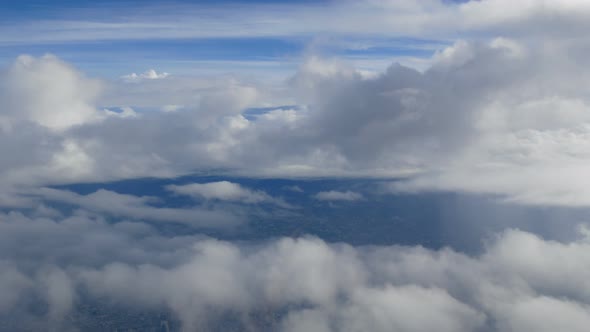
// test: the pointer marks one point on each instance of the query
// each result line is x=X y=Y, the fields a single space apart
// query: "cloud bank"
x=520 y=282
x=499 y=117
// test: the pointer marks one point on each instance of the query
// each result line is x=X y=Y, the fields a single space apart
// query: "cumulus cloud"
x=148 y=75
x=513 y=135
x=55 y=134
x=502 y=127
x=222 y=190
x=519 y=282
x=356 y=20
x=47 y=92
x=334 y=195
x=225 y=191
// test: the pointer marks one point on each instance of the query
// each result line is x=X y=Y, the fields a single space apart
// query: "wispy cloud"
x=334 y=195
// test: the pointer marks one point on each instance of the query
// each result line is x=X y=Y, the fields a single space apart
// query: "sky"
x=201 y=36
x=367 y=165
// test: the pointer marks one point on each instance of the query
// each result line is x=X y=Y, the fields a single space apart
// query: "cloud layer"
x=519 y=283
x=504 y=116
x=500 y=117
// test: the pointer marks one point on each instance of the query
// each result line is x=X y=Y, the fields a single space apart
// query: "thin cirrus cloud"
x=202 y=37
x=388 y=18
x=368 y=33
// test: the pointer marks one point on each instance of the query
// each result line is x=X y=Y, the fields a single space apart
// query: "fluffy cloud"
x=47 y=92
x=222 y=190
x=497 y=127
x=501 y=127
x=148 y=75
x=225 y=191
x=55 y=134
x=519 y=282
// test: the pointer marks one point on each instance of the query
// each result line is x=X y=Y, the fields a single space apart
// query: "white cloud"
x=502 y=127
x=519 y=281
x=512 y=120
x=294 y=188
x=150 y=74
x=47 y=92
x=112 y=203
x=349 y=19
x=225 y=191
x=334 y=195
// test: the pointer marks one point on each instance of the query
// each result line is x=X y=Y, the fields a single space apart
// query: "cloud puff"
x=225 y=191
x=334 y=195
x=358 y=21
x=47 y=92
x=148 y=75
x=294 y=188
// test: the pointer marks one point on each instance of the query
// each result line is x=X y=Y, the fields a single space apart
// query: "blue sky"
x=113 y=38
